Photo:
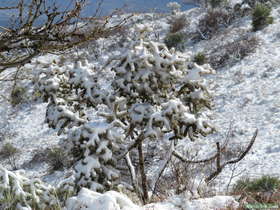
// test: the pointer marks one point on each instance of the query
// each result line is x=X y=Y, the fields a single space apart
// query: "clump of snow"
x=111 y=200
x=181 y=203
x=90 y=200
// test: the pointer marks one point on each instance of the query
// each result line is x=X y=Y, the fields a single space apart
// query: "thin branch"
x=6 y=29
x=132 y=174
x=239 y=158
x=145 y=196
x=161 y=170
x=186 y=160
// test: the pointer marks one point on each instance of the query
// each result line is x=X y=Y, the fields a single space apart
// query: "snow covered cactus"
x=153 y=91
x=96 y=168
x=161 y=91
x=19 y=192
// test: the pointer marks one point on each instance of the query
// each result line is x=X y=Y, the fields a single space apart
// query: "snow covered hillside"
x=245 y=92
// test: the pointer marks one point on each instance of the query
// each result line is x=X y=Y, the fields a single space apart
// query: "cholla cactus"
x=154 y=91
x=96 y=168
x=19 y=192
x=161 y=92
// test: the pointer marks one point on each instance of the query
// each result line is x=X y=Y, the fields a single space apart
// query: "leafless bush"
x=186 y=170
x=42 y=28
x=212 y=21
x=233 y=51
x=177 y=24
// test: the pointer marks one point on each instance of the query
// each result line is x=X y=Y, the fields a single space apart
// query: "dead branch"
x=145 y=196
x=164 y=165
x=42 y=28
x=186 y=160
x=219 y=167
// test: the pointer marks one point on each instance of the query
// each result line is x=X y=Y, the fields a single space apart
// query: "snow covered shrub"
x=261 y=17
x=97 y=142
x=146 y=94
x=175 y=40
x=19 y=192
x=177 y=23
x=9 y=151
x=174 y=7
x=92 y=141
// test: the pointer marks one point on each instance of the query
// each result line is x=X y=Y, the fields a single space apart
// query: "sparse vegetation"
x=261 y=17
x=232 y=52
x=210 y=23
x=177 y=24
x=143 y=117
x=57 y=158
x=200 y=58
x=262 y=184
x=216 y=3
x=9 y=151
x=175 y=40
x=17 y=95
x=265 y=189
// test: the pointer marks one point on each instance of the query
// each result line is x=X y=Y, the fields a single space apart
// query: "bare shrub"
x=188 y=173
x=232 y=52
x=37 y=29
x=177 y=24
x=210 y=23
x=17 y=95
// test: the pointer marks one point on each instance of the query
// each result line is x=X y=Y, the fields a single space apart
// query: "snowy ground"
x=246 y=94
